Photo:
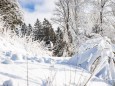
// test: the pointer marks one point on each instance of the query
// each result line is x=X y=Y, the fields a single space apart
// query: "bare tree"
x=67 y=17
x=62 y=17
x=104 y=14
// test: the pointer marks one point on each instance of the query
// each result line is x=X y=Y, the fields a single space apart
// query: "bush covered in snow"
x=15 y=57
x=7 y=61
x=8 y=83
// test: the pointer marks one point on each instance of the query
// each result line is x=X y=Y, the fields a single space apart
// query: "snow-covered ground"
x=43 y=70
x=97 y=57
x=42 y=74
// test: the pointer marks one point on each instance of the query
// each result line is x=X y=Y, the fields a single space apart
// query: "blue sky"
x=34 y=9
x=29 y=5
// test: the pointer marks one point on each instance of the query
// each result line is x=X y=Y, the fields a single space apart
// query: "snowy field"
x=42 y=74
x=43 y=70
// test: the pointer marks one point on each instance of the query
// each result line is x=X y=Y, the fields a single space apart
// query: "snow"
x=97 y=57
x=8 y=83
x=43 y=69
x=43 y=74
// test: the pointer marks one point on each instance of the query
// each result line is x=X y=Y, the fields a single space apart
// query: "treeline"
x=43 y=31
x=40 y=31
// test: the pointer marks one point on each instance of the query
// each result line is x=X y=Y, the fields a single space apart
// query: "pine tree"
x=29 y=30
x=24 y=29
x=37 y=24
x=46 y=27
x=17 y=31
x=48 y=31
x=38 y=31
x=59 y=34
x=52 y=35
x=59 y=45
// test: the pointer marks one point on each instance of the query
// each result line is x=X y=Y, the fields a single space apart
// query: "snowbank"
x=8 y=83
x=42 y=68
x=97 y=57
x=17 y=49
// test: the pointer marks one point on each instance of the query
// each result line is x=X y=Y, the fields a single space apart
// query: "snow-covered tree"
x=62 y=17
x=10 y=13
x=59 y=45
x=100 y=6
x=37 y=24
x=29 y=30
x=104 y=17
x=67 y=15
x=79 y=18
x=59 y=34
x=24 y=29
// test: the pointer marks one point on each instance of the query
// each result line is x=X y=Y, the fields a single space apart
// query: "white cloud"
x=48 y=6
x=42 y=11
x=31 y=17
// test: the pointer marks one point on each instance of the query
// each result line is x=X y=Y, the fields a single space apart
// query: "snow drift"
x=13 y=49
x=43 y=69
x=97 y=57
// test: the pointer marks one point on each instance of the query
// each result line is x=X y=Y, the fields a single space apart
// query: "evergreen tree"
x=46 y=27
x=59 y=45
x=48 y=31
x=59 y=34
x=52 y=35
x=29 y=30
x=38 y=30
x=17 y=31
x=24 y=29
x=37 y=25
